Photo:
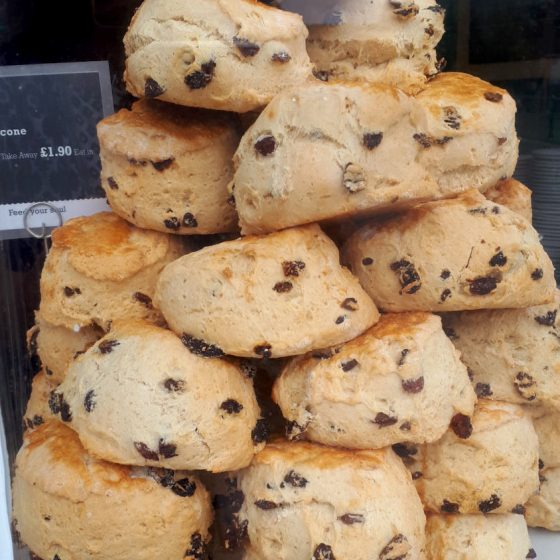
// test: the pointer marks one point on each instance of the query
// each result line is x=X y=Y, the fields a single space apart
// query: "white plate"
x=546 y=544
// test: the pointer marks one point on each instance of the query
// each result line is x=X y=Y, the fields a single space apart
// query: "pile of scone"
x=273 y=191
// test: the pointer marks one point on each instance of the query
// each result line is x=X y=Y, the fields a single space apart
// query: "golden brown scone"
x=271 y=296
x=477 y=537
x=513 y=354
x=514 y=195
x=487 y=465
x=38 y=411
x=67 y=504
x=400 y=381
x=382 y=42
x=451 y=255
x=304 y=501
x=167 y=168
x=140 y=397
x=232 y=55
x=322 y=151
x=100 y=269
x=57 y=346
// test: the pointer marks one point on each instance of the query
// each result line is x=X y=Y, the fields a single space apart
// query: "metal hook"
x=43 y=235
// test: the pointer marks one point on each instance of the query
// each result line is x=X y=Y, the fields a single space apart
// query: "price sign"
x=48 y=143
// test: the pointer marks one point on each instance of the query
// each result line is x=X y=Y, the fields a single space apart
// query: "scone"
x=513 y=354
x=167 y=168
x=101 y=268
x=142 y=396
x=543 y=509
x=38 y=411
x=303 y=501
x=232 y=55
x=67 y=504
x=477 y=537
x=387 y=42
x=514 y=195
x=268 y=297
x=58 y=346
x=487 y=465
x=401 y=381
x=324 y=151
x=452 y=255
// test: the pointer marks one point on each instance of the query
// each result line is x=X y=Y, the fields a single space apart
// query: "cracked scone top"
x=101 y=269
x=388 y=42
x=233 y=55
x=270 y=296
x=485 y=465
x=345 y=149
x=167 y=168
x=69 y=505
x=513 y=354
x=302 y=501
x=452 y=255
x=400 y=381
x=140 y=397
x=480 y=537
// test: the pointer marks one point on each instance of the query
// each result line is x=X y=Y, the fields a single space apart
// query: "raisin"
x=167 y=479
x=37 y=420
x=367 y=261
x=429 y=31
x=402 y=359
x=282 y=57
x=292 y=268
x=351 y=518
x=349 y=365
x=351 y=304
x=152 y=88
x=340 y=319
x=483 y=390
x=413 y=385
x=163 y=164
x=266 y=504
x=201 y=78
x=197 y=550
x=494 y=97
x=397 y=548
x=449 y=507
x=416 y=475
x=462 y=426
x=89 y=401
x=145 y=451
x=436 y=9
x=404 y=451
x=523 y=383
x=232 y=501
x=445 y=274
x=322 y=75
x=112 y=183
x=231 y=406
x=174 y=385
x=482 y=285
x=235 y=533
x=493 y=503
x=405 y=427
x=372 y=139
x=445 y=295
x=408 y=276
x=264 y=350
x=106 y=346
x=537 y=274
x=353 y=178
x=519 y=509
x=404 y=9
x=547 y=320
x=265 y=145
x=167 y=450
x=495 y=210
x=143 y=299
x=246 y=47
x=531 y=554
x=259 y=433
x=184 y=488
x=69 y=292
x=248 y=369
x=55 y=402
x=452 y=118
x=502 y=141
x=428 y=141
x=294 y=431
x=323 y=552
x=283 y=287
x=384 y=420
x=295 y=479
x=200 y=348
x=499 y=259
x=172 y=223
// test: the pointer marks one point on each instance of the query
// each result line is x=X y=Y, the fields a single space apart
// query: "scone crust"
x=513 y=194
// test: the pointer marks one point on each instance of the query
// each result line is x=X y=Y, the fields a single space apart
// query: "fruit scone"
x=100 y=269
x=167 y=168
x=343 y=149
x=232 y=55
x=38 y=411
x=69 y=506
x=390 y=42
x=400 y=381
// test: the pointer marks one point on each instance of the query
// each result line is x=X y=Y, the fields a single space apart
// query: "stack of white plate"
x=545 y=182
x=524 y=169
